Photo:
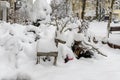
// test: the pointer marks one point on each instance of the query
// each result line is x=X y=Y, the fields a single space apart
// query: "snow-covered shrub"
x=41 y=10
x=19 y=46
x=38 y=11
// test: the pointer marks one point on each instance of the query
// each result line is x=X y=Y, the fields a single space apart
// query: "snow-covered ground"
x=98 y=68
x=18 y=56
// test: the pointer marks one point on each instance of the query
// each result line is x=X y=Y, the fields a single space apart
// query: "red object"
x=70 y=58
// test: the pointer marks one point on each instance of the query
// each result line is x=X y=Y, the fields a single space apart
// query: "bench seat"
x=53 y=54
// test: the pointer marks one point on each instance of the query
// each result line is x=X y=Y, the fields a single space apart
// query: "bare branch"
x=65 y=25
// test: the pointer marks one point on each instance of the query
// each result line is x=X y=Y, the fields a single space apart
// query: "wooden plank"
x=115 y=28
x=47 y=53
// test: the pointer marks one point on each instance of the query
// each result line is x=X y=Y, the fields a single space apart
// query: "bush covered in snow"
x=39 y=10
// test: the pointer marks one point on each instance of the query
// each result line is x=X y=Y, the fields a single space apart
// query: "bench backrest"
x=117 y=28
x=47 y=53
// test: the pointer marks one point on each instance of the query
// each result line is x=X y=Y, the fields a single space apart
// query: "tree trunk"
x=79 y=9
x=66 y=7
x=73 y=7
x=100 y=9
x=110 y=17
x=97 y=5
x=83 y=9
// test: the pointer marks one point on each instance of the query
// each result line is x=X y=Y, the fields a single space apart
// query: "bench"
x=116 y=28
x=53 y=54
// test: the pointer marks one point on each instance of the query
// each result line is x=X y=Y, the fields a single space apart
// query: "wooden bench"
x=116 y=28
x=53 y=54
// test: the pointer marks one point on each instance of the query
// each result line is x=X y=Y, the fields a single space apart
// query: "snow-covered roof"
x=4 y=4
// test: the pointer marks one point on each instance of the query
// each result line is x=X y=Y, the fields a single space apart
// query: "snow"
x=40 y=10
x=99 y=31
x=115 y=24
x=18 y=54
x=99 y=68
x=19 y=45
x=49 y=1
x=114 y=38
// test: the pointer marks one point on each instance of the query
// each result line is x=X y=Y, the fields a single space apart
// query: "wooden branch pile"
x=94 y=48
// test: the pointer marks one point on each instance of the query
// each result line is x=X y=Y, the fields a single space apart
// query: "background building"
x=4 y=6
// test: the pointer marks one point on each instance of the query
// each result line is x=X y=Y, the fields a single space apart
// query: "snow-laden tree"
x=117 y=4
x=39 y=10
x=61 y=8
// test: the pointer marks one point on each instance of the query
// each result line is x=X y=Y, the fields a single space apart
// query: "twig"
x=64 y=26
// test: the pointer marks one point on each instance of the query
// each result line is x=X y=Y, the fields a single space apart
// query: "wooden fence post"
x=110 y=18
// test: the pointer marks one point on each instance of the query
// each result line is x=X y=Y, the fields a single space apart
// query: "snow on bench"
x=54 y=54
